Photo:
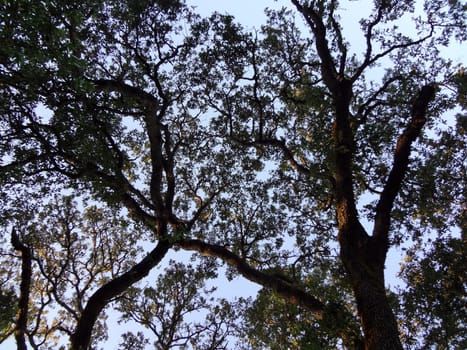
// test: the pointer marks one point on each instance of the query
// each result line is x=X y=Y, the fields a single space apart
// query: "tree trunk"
x=25 y=284
x=362 y=259
x=377 y=319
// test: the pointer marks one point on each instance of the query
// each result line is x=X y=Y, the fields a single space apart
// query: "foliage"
x=132 y=129
x=179 y=295
x=7 y=312
x=73 y=254
x=434 y=301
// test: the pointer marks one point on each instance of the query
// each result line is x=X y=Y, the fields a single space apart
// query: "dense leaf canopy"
x=287 y=155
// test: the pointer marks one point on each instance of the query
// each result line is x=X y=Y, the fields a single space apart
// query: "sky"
x=248 y=12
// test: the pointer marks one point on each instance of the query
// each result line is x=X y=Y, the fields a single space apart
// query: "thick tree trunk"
x=377 y=319
x=362 y=259
x=363 y=255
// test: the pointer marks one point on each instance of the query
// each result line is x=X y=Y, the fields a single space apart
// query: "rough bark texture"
x=363 y=264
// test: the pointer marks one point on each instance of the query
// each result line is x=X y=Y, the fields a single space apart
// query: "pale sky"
x=248 y=12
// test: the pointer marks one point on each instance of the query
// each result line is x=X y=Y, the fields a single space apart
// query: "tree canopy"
x=286 y=154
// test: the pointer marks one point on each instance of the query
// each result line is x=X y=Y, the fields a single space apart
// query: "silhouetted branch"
x=99 y=300
x=287 y=290
x=25 y=287
x=401 y=162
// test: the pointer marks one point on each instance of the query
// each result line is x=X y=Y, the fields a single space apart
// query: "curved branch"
x=99 y=300
x=401 y=162
x=369 y=31
x=370 y=60
x=287 y=290
x=120 y=160
x=121 y=186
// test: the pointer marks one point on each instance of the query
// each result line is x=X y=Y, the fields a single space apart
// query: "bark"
x=25 y=287
x=362 y=259
x=81 y=339
x=362 y=255
x=401 y=162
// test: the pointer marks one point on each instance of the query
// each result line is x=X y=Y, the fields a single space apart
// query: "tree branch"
x=401 y=162
x=287 y=290
x=121 y=186
x=99 y=300
x=369 y=33
x=370 y=60
x=318 y=28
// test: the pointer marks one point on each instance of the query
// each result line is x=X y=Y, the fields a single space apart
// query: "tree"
x=289 y=157
x=65 y=255
x=164 y=308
